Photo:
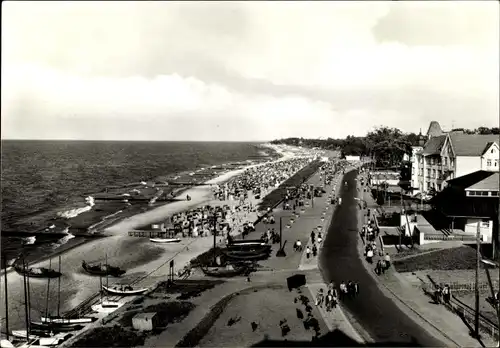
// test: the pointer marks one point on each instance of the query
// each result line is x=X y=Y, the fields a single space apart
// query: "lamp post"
x=478 y=263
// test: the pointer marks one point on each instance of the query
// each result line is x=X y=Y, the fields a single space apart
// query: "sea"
x=43 y=179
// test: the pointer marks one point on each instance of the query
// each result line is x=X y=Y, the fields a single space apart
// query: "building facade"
x=451 y=155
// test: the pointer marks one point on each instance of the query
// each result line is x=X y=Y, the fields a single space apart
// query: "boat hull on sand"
x=222 y=272
x=67 y=321
x=55 y=328
x=124 y=292
x=165 y=240
x=106 y=307
x=102 y=271
x=247 y=256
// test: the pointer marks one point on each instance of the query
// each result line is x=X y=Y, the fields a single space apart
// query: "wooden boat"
x=243 y=256
x=244 y=241
x=35 y=334
x=165 y=240
x=250 y=248
x=6 y=344
x=102 y=270
x=229 y=271
x=125 y=291
x=36 y=272
x=38 y=325
x=67 y=321
x=106 y=307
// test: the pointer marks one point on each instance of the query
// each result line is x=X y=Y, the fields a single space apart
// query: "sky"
x=246 y=71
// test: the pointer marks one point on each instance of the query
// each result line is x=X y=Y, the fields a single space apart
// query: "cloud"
x=257 y=70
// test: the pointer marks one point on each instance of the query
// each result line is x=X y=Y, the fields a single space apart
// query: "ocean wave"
x=68 y=214
x=63 y=240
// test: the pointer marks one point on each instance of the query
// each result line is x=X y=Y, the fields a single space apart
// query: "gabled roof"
x=471 y=144
x=467 y=181
x=490 y=183
x=434 y=145
x=487 y=147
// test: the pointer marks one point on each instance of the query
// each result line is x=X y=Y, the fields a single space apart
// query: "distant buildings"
x=446 y=156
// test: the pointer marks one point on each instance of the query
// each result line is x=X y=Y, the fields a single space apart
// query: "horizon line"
x=141 y=140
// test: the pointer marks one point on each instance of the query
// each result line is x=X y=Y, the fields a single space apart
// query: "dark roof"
x=434 y=145
x=471 y=144
x=491 y=183
x=466 y=181
x=434 y=129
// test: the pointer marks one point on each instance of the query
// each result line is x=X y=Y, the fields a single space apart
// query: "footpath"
x=410 y=299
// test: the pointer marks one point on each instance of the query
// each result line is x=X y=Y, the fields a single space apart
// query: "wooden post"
x=59 y=290
x=5 y=295
x=48 y=293
x=281 y=231
x=478 y=261
x=215 y=237
x=26 y=311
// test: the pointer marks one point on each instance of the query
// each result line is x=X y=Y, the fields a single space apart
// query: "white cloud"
x=284 y=68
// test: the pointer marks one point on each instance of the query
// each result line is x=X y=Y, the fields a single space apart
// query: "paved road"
x=377 y=314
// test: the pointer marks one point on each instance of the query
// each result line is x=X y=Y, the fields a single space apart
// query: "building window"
x=488 y=163
x=496 y=163
x=494 y=193
x=446 y=161
x=434 y=173
x=428 y=172
x=440 y=174
x=484 y=193
x=485 y=223
x=492 y=151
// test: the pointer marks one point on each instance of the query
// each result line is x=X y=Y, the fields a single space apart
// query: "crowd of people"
x=222 y=219
x=346 y=291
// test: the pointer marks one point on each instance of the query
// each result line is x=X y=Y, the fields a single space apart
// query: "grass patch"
x=445 y=260
x=114 y=336
x=273 y=198
x=414 y=251
x=170 y=312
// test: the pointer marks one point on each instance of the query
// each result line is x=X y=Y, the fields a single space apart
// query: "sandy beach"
x=138 y=255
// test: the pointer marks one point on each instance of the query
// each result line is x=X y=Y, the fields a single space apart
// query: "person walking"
x=369 y=256
x=319 y=298
x=447 y=294
x=315 y=250
x=308 y=252
x=387 y=260
x=343 y=291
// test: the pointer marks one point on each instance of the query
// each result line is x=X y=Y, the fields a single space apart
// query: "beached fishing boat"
x=102 y=270
x=165 y=240
x=37 y=272
x=258 y=248
x=67 y=321
x=106 y=307
x=33 y=335
x=124 y=291
x=228 y=271
x=49 y=327
x=246 y=256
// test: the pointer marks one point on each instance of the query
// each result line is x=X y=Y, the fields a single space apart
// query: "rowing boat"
x=165 y=240
x=106 y=307
x=229 y=271
x=125 y=291
x=67 y=321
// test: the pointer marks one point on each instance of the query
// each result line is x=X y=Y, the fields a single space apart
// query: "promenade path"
x=382 y=319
